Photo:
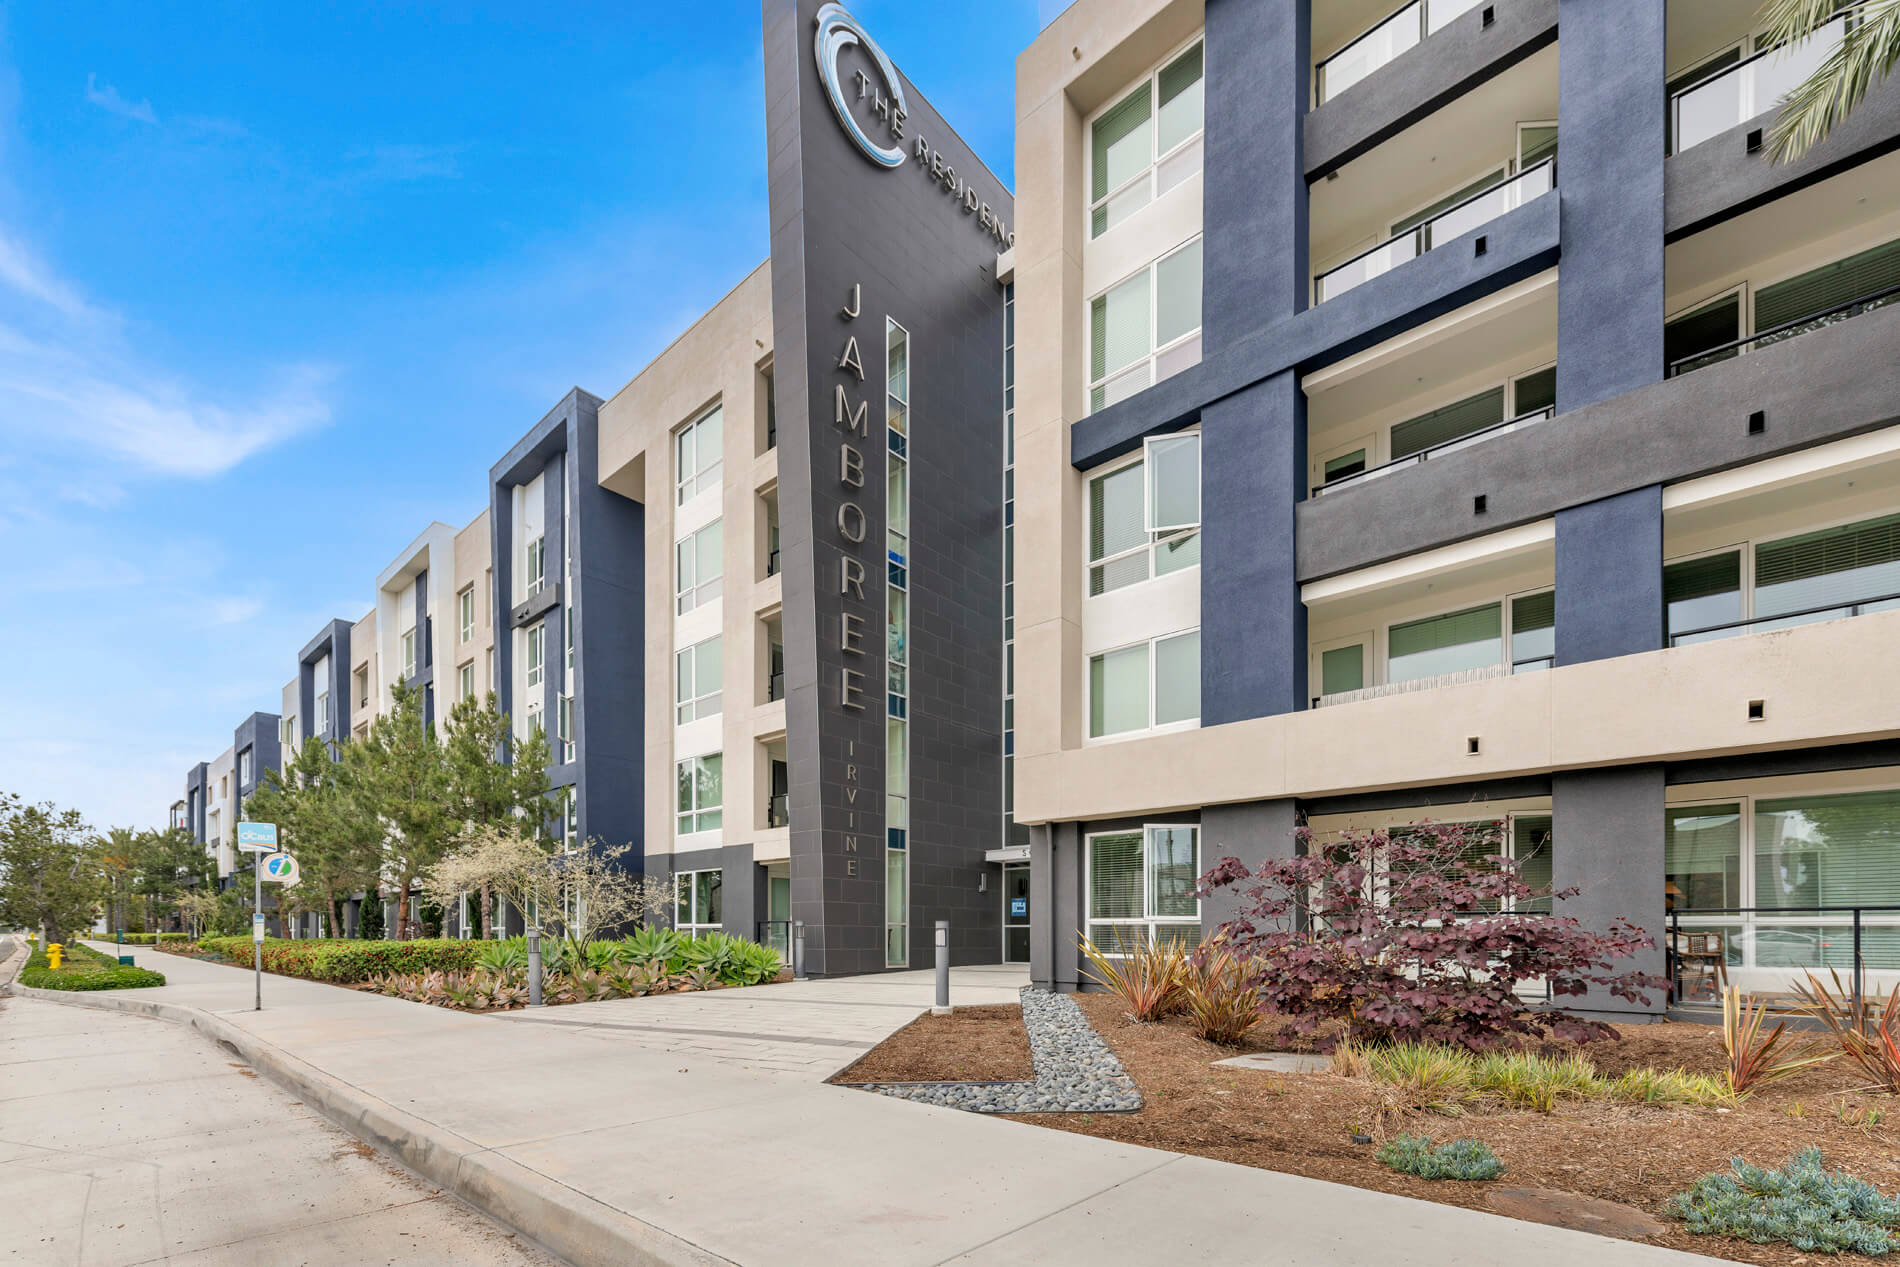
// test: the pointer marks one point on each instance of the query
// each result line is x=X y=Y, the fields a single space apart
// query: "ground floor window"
x=696 y=902
x=1141 y=885
x=1776 y=877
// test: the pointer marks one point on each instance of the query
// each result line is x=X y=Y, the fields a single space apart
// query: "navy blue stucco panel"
x=333 y=641
x=1609 y=577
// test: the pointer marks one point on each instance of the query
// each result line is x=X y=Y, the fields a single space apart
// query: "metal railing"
x=1754 y=85
x=1470 y=213
x=1437 y=450
x=1859 y=607
x=1706 y=943
x=1376 y=48
x=1786 y=330
x=771 y=563
x=778 y=810
x=775 y=686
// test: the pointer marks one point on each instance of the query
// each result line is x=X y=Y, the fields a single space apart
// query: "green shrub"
x=348 y=962
x=653 y=946
x=1669 y=1086
x=1433 y=1075
x=1460 y=1159
x=150 y=939
x=1526 y=1080
x=87 y=970
x=1801 y=1204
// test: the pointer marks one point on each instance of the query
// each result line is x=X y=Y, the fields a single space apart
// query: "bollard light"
x=942 y=1006
x=534 y=966
x=798 y=950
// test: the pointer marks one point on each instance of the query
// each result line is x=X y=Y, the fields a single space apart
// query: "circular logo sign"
x=837 y=31
x=280 y=868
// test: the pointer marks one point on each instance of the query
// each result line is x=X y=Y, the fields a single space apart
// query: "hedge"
x=347 y=962
x=144 y=939
x=38 y=974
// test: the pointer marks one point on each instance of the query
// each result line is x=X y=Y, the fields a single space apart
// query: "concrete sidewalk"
x=627 y=1151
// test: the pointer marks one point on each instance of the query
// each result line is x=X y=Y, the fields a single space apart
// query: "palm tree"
x=1820 y=103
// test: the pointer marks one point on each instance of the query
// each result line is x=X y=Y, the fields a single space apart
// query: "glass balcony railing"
x=1436 y=451
x=1475 y=211
x=1786 y=330
x=1769 y=622
x=1379 y=46
x=1753 y=85
x=778 y=810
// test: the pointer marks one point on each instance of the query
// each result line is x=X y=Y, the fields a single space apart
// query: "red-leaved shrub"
x=1420 y=935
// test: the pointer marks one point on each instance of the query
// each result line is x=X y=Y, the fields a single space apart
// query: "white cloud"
x=107 y=98
x=22 y=272
x=234 y=610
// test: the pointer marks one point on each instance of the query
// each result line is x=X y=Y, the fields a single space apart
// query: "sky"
x=279 y=283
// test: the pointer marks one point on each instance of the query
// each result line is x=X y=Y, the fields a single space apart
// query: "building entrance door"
x=1016 y=913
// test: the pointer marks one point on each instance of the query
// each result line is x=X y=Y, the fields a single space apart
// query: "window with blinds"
x=1533 y=631
x=1532 y=847
x=1141 y=885
x=1451 y=643
x=1342 y=669
x=1828 y=850
x=1845 y=566
x=1121 y=145
x=1702 y=857
x=1147 y=508
x=1440 y=426
x=1830 y=286
x=1702 y=592
x=1117 y=515
x=1146 y=143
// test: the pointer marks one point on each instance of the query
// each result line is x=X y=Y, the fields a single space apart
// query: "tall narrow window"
x=698 y=567
x=465 y=681
x=897 y=646
x=564 y=728
x=466 y=603
x=535 y=657
x=408 y=654
x=697 y=904
x=701 y=794
x=1146 y=143
x=698 y=677
x=697 y=452
x=536 y=565
x=1146 y=328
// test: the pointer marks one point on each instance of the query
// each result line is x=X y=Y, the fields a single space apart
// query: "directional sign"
x=257 y=928
x=279 y=868
x=257 y=837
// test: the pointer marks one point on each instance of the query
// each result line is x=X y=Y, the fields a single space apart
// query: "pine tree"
x=399 y=777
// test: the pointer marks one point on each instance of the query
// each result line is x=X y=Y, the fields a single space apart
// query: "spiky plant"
x=1821 y=102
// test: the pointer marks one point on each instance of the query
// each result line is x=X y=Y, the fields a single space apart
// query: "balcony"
x=1360 y=478
x=1786 y=330
x=1370 y=52
x=1455 y=221
x=1752 y=86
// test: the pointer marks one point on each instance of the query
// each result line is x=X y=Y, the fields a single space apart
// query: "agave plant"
x=652 y=945
x=602 y=955
x=700 y=979
x=503 y=958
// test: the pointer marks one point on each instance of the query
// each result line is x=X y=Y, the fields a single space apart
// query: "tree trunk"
x=336 y=917
x=402 y=911
x=488 y=907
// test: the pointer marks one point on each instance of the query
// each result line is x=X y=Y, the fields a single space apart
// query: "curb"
x=574 y=1227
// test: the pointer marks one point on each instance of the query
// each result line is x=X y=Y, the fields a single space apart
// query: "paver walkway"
x=757 y=1164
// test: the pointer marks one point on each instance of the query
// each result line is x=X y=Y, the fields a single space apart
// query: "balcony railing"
x=1770 y=950
x=1786 y=330
x=775 y=687
x=1785 y=620
x=778 y=810
x=1751 y=86
x=1479 y=209
x=1436 y=451
x=772 y=563
x=1376 y=48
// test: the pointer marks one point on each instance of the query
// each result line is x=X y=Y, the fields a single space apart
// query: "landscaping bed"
x=82 y=968
x=1601 y=1147
x=972 y=1044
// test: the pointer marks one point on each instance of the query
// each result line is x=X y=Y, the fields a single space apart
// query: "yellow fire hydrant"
x=54 y=952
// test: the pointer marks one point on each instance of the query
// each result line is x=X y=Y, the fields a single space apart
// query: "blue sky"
x=278 y=283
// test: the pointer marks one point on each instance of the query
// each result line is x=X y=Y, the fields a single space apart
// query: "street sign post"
x=257 y=838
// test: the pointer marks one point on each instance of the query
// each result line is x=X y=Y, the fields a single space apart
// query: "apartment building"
x=1447 y=411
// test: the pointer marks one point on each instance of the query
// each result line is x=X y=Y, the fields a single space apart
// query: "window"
x=244 y=768
x=408 y=654
x=1144 y=518
x=897 y=646
x=1531 y=393
x=1827 y=574
x=1343 y=669
x=1150 y=685
x=564 y=727
x=1830 y=286
x=1526 y=840
x=699 y=673
x=567 y=630
x=466 y=603
x=535 y=656
x=535 y=571
x=697 y=907
x=287 y=733
x=1533 y=632
x=1141 y=886
x=1474 y=639
x=698 y=567
x=700 y=794
x=323 y=712
x=1147 y=143
x=362 y=692
x=465 y=681
x=570 y=818
x=696 y=455
x=1687 y=336
x=1146 y=328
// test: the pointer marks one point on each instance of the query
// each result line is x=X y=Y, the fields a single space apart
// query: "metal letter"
x=850 y=360
x=851 y=688
x=851 y=523
x=852 y=420
x=851 y=633
x=864 y=83
x=850 y=467
x=851 y=578
x=856 y=304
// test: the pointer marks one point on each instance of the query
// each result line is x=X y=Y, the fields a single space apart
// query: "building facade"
x=1452 y=414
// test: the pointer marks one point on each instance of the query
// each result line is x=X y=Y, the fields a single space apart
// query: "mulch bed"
x=972 y=1044
x=1638 y=1156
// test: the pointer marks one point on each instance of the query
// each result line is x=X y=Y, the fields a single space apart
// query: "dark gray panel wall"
x=920 y=258
x=259 y=734
x=1056 y=876
x=1835 y=382
x=1254 y=833
x=1253 y=624
x=196 y=781
x=1440 y=68
x=1607 y=842
x=1609 y=577
x=333 y=641
x=1610 y=128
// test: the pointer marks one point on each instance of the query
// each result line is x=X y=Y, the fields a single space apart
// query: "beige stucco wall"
x=364 y=656
x=474 y=565
x=717 y=361
x=1657 y=706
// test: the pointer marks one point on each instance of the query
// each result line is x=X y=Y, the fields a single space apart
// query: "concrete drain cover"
x=1279 y=1062
x=1579 y=1213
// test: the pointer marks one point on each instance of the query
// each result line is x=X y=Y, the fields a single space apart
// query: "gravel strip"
x=1075 y=1070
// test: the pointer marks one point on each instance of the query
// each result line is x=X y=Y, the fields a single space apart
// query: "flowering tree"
x=1419 y=934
